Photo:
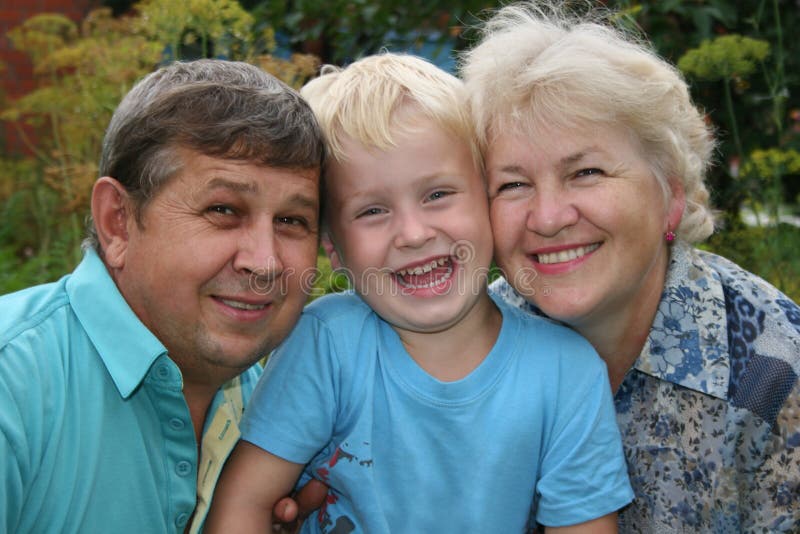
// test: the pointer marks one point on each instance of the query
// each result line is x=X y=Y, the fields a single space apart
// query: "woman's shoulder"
x=741 y=285
x=758 y=314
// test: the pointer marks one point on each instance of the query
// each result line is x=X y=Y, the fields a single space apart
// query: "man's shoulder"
x=31 y=309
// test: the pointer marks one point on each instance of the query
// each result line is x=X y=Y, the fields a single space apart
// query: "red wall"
x=17 y=79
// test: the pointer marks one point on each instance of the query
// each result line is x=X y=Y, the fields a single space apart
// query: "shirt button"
x=183 y=468
x=176 y=424
x=181 y=520
x=162 y=371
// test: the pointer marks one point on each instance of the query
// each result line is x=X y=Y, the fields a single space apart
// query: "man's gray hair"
x=224 y=109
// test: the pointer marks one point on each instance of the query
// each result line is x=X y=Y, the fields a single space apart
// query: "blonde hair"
x=540 y=66
x=362 y=101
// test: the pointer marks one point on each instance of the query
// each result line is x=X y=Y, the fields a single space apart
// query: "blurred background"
x=66 y=64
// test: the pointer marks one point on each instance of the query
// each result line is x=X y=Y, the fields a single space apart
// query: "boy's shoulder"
x=536 y=333
x=532 y=323
x=338 y=307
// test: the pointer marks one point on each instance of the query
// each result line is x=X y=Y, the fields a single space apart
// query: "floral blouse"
x=710 y=412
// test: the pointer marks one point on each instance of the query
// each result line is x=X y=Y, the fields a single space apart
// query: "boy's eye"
x=370 y=212
x=436 y=195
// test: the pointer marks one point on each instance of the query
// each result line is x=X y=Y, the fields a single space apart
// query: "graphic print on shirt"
x=341 y=524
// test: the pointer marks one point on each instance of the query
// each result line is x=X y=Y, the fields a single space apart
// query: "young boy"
x=418 y=385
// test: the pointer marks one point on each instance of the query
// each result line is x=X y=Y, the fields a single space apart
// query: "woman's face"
x=579 y=221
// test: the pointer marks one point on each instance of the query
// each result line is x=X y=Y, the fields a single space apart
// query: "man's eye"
x=293 y=221
x=222 y=210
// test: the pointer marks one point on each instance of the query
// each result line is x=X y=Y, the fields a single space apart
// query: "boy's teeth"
x=566 y=255
x=422 y=269
x=426 y=269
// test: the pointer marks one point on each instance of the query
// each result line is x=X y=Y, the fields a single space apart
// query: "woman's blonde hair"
x=540 y=66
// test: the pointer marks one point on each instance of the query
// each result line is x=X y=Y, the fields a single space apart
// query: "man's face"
x=219 y=266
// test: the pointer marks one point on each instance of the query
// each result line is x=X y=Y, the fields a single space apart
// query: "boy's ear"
x=111 y=212
x=330 y=250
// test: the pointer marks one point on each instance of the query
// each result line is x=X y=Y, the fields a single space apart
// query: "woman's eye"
x=588 y=172
x=509 y=185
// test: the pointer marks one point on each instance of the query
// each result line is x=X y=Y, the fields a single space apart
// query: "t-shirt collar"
x=125 y=345
x=688 y=342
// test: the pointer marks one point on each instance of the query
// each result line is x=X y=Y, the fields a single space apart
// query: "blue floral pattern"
x=710 y=412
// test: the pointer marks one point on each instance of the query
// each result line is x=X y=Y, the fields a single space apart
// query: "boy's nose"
x=413 y=230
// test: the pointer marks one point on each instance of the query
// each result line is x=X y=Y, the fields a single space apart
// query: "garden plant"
x=741 y=65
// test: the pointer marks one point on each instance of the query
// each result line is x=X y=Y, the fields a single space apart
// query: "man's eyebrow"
x=239 y=187
x=303 y=201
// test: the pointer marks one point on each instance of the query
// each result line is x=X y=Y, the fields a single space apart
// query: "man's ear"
x=330 y=250
x=677 y=204
x=111 y=212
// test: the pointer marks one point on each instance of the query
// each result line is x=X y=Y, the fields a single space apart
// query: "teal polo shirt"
x=95 y=435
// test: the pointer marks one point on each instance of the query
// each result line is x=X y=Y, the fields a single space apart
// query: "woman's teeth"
x=566 y=255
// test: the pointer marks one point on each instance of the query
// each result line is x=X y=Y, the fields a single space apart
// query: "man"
x=121 y=385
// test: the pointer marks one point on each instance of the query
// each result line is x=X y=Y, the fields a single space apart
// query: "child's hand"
x=290 y=512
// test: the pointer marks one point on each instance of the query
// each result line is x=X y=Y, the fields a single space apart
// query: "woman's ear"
x=330 y=250
x=676 y=205
x=111 y=212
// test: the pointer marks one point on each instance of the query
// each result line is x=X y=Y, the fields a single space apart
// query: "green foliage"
x=83 y=71
x=725 y=57
x=734 y=54
x=771 y=252
x=340 y=31
x=198 y=23
x=328 y=280
x=764 y=164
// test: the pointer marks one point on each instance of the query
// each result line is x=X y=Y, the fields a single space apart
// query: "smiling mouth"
x=242 y=305
x=565 y=255
x=425 y=276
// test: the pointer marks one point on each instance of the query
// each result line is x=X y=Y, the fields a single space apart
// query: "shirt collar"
x=688 y=342
x=126 y=346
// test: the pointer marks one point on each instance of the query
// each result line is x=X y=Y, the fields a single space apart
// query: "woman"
x=595 y=159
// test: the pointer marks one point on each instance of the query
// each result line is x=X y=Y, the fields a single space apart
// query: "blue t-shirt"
x=95 y=434
x=532 y=428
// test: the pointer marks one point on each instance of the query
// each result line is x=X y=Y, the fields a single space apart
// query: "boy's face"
x=411 y=225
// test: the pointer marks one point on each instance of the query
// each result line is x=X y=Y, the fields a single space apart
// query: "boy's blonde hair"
x=361 y=102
